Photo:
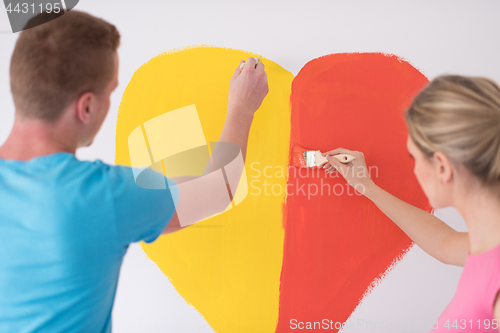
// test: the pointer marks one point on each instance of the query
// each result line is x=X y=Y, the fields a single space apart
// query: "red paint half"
x=337 y=243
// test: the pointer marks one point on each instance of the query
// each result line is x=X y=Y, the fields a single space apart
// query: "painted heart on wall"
x=275 y=258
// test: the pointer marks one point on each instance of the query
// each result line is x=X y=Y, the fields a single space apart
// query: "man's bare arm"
x=247 y=90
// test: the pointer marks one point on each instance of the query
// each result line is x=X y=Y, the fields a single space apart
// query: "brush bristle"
x=297 y=157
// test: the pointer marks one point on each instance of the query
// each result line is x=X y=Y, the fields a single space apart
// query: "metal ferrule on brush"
x=310 y=158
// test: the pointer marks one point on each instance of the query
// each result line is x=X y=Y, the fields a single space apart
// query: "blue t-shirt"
x=64 y=228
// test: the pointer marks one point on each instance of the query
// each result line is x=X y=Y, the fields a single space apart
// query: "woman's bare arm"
x=430 y=233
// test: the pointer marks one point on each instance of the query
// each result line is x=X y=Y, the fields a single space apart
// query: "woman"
x=454 y=137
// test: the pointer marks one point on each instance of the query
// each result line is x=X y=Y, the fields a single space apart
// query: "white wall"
x=446 y=36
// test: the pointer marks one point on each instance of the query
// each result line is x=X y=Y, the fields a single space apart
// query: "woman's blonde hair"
x=460 y=117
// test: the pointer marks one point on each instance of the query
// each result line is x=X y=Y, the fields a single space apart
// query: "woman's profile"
x=454 y=137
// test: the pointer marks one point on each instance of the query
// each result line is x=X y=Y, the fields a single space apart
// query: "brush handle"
x=344 y=158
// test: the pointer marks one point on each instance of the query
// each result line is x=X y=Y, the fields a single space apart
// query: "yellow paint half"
x=228 y=267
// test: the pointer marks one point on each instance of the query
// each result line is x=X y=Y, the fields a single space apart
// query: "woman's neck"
x=480 y=208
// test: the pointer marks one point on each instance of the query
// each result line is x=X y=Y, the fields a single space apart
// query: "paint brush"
x=243 y=63
x=304 y=158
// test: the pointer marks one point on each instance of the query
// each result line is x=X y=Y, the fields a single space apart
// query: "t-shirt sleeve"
x=141 y=214
x=493 y=285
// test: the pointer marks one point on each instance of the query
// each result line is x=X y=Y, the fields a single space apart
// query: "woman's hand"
x=355 y=172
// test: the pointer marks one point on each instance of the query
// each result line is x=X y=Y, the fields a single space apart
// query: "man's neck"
x=32 y=138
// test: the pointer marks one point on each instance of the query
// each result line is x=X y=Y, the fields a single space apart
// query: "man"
x=65 y=224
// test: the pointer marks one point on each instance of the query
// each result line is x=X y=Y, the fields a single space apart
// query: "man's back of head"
x=61 y=74
x=55 y=62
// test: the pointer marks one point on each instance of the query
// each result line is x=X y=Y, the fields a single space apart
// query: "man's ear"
x=443 y=167
x=86 y=107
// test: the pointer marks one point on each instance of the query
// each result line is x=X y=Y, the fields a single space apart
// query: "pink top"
x=471 y=309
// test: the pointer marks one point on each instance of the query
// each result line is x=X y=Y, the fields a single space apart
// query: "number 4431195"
x=471 y=324
x=32 y=8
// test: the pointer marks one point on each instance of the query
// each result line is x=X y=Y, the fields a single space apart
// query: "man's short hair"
x=55 y=62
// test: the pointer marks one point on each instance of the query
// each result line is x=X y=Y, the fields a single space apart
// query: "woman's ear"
x=443 y=167
x=86 y=107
